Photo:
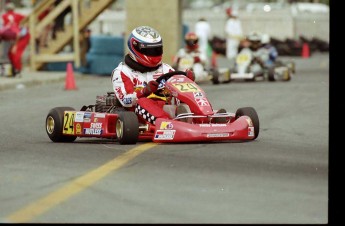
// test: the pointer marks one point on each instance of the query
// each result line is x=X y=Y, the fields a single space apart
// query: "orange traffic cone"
x=305 y=51
x=69 y=81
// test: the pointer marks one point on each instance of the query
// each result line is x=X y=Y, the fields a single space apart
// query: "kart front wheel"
x=251 y=113
x=54 y=125
x=127 y=128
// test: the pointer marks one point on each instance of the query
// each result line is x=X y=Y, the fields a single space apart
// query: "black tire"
x=127 y=128
x=215 y=77
x=271 y=75
x=54 y=125
x=251 y=113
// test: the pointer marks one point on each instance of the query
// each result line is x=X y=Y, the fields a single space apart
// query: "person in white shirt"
x=233 y=32
x=203 y=31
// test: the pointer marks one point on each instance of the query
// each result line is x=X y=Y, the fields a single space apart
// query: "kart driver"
x=135 y=78
x=192 y=52
x=262 y=50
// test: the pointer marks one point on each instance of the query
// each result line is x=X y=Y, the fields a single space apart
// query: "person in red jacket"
x=11 y=20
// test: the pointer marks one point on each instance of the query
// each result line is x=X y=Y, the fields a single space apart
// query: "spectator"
x=203 y=31
x=233 y=32
x=59 y=24
x=43 y=37
x=12 y=19
x=85 y=44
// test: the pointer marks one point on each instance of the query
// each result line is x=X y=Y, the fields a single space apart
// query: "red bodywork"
x=201 y=125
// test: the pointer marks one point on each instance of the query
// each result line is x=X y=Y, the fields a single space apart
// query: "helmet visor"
x=149 y=50
x=191 y=42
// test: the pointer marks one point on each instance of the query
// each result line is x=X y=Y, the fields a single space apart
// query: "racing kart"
x=202 y=73
x=192 y=118
x=250 y=67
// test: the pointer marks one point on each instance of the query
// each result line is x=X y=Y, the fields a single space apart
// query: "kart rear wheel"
x=54 y=125
x=215 y=77
x=251 y=113
x=127 y=128
x=271 y=75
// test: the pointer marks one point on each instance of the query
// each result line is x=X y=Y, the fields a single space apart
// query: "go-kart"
x=247 y=67
x=251 y=67
x=202 y=73
x=192 y=118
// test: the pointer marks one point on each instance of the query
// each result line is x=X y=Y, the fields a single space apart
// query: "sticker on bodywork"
x=250 y=131
x=79 y=117
x=166 y=125
x=165 y=134
x=68 y=122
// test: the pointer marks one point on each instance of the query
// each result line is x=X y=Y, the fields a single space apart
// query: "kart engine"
x=105 y=102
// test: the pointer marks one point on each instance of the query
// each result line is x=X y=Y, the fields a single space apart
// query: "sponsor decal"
x=250 y=131
x=119 y=92
x=79 y=116
x=198 y=94
x=127 y=100
x=202 y=101
x=97 y=125
x=211 y=135
x=90 y=131
x=99 y=115
x=166 y=125
x=165 y=134
x=87 y=114
x=78 y=128
x=212 y=125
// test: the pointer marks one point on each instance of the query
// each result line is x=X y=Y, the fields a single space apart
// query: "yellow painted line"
x=53 y=199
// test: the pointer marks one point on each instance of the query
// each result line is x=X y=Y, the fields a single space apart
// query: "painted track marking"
x=53 y=199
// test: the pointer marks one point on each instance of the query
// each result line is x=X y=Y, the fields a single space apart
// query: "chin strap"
x=138 y=67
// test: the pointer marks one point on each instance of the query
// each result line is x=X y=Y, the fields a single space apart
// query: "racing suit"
x=189 y=59
x=129 y=79
x=13 y=19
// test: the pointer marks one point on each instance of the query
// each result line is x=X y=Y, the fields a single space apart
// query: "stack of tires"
x=105 y=54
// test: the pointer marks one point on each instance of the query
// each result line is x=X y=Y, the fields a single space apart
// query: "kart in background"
x=202 y=73
x=192 y=118
x=249 y=67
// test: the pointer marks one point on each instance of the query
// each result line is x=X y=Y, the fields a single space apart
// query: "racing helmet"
x=145 y=46
x=191 y=40
x=265 y=39
x=255 y=40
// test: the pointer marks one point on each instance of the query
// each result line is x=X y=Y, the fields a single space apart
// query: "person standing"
x=233 y=32
x=203 y=31
x=12 y=20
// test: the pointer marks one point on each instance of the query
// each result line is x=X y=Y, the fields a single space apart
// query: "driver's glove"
x=190 y=74
x=151 y=87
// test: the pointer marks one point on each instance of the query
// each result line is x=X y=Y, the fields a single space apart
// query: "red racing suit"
x=128 y=84
x=13 y=19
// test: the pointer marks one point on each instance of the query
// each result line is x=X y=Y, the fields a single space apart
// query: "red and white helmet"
x=145 y=46
x=191 y=40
